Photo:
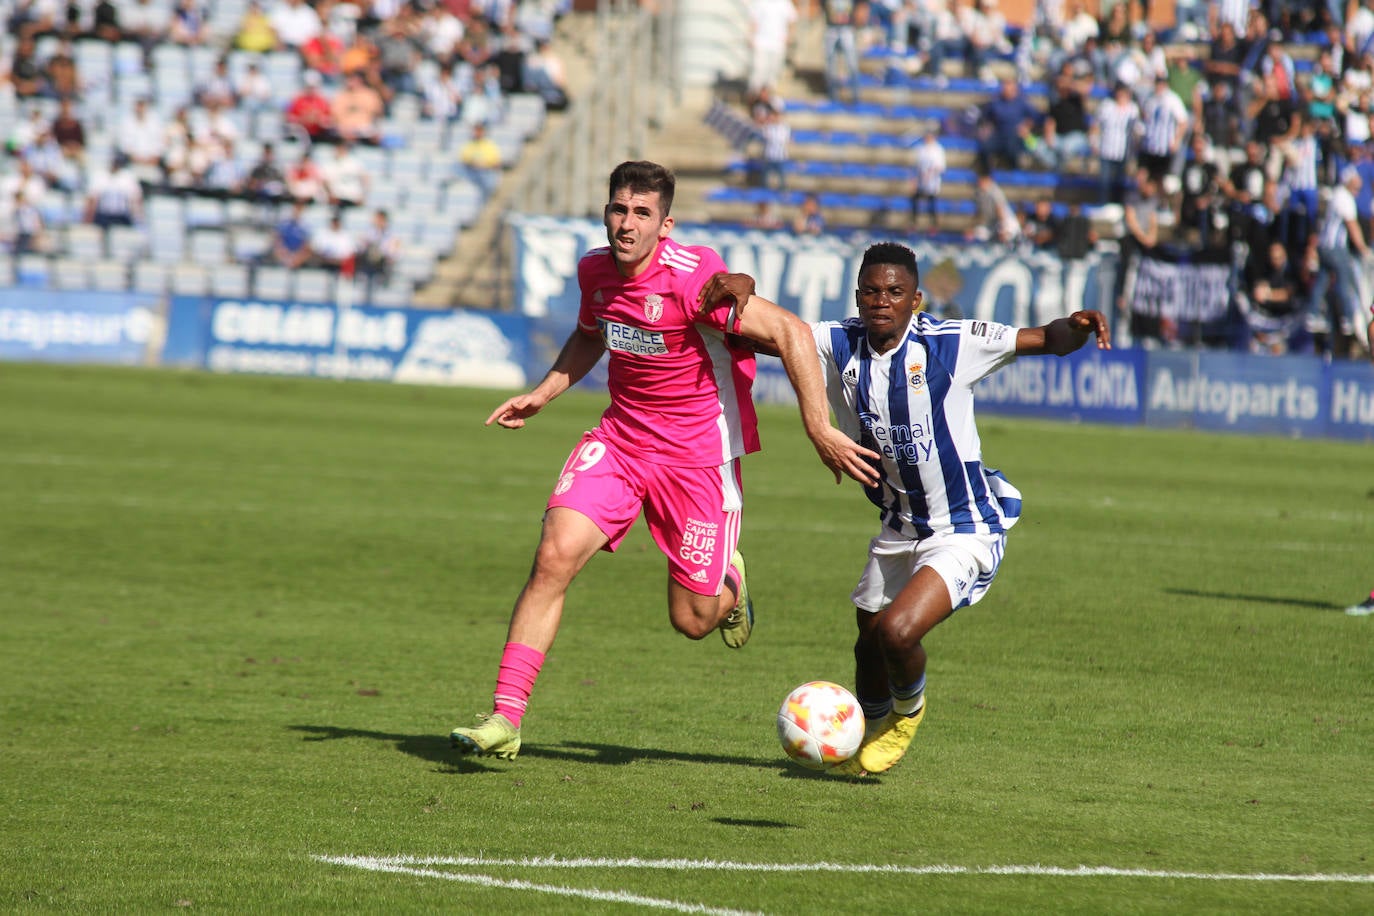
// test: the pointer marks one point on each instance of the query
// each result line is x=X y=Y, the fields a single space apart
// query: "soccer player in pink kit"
x=680 y=417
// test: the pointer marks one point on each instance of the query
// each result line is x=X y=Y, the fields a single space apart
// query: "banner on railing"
x=1191 y=291
x=815 y=277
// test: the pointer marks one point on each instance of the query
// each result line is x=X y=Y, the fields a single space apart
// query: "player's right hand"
x=513 y=413
x=844 y=457
x=722 y=286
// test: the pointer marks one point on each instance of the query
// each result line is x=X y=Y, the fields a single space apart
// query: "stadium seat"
x=190 y=280
x=314 y=285
x=32 y=270
x=85 y=242
x=230 y=281
x=150 y=277
x=272 y=282
x=125 y=243
x=208 y=246
x=110 y=276
x=70 y=274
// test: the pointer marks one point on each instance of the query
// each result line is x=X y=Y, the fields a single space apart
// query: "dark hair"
x=893 y=253
x=643 y=177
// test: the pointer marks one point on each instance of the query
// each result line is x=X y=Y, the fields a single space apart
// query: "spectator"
x=218 y=88
x=1141 y=219
x=177 y=173
x=986 y=30
x=484 y=104
x=291 y=240
x=444 y=93
x=105 y=22
x=509 y=60
x=25 y=75
x=1112 y=135
x=294 y=22
x=1302 y=162
x=475 y=48
x=765 y=217
x=68 y=130
x=1340 y=236
x=378 y=249
x=770 y=34
x=443 y=32
x=223 y=175
x=1215 y=112
x=26 y=181
x=219 y=123
x=1065 y=128
x=54 y=164
x=30 y=231
x=304 y=180
x=1004 y=123
x=357 y=111
x=59 y=73
x=398 y=53
x=995 y=219
x=1041 y=226
x=1225 y=56
x=322 y=53
x=189 y=25
x=546 y=75
x=116 y=197
x=333 y=247
x=145 y=22
x=809 y=219
x=1164 y=121
x=774 y=156
x=1271 y=303
x=480 y=160
x=946 y=40
x=1200 y=201
x=840 y=42
x=266 y=182
x=930 y=163
x=345 y=177
x=1076 y=234
x=310 y=111
x=140 y=139
x=255 y=33
x=253 y=89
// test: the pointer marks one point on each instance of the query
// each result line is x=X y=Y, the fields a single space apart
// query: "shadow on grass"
x=437 y=749
x=1261 y=599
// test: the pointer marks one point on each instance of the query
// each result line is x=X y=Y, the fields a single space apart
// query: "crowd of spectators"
x=353 y=62
x=1240 y=133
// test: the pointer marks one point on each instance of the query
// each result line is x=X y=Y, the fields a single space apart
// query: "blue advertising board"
x=1235 y=392
x=382 y=344
x=1349 y=410
x=78 y=327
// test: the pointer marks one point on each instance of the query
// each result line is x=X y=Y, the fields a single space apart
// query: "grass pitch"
x=241 y=615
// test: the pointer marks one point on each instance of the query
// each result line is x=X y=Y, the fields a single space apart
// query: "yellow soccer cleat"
x=884 y=747
x=492 y=736
x=739 y=623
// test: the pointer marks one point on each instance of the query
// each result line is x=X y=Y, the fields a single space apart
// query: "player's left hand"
x=722 y=286
x=1091 y=321
x=844 y=456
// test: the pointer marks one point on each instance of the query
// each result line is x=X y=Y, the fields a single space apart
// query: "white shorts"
x=967 y=563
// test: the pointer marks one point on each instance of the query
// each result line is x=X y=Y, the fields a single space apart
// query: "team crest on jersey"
x=598 y=298
x=916 y=376
x=653 y=307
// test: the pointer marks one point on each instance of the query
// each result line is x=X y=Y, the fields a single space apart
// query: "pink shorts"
x=693 y=514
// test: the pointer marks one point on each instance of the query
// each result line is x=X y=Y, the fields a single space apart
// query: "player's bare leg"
x=890 y=659
x=732 y=611
x=568 y=542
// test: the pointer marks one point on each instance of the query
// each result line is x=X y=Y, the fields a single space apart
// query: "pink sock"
x=519 y=667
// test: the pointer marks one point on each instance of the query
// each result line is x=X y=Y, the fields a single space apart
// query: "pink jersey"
x=679 y=394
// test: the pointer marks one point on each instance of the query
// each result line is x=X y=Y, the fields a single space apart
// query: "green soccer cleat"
x=1363 y=609
x=884 y=747
x=492 y=736
x=739 y=623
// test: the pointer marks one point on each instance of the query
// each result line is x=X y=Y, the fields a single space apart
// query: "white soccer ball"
x=820 y=724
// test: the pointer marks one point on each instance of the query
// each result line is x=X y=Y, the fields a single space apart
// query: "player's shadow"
x=1260 y=599
x=436 y=749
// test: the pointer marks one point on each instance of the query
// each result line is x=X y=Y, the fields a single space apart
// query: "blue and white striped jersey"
x=914 y=406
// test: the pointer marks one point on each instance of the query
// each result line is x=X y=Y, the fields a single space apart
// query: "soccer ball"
x=820 y=724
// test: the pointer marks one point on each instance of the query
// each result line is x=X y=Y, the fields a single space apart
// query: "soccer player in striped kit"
x=900 y=382
x=680 y=372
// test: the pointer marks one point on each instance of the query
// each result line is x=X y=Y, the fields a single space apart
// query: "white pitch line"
x=1081 y=871
x=393 y=866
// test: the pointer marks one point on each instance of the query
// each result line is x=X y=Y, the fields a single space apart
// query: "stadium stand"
x=218 y=103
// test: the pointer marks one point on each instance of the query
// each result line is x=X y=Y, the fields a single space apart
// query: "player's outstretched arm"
x=778 y=330
x=1065 y=335
x=580 y=352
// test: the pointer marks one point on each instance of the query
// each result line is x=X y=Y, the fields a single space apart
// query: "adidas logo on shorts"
x=698 y=576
